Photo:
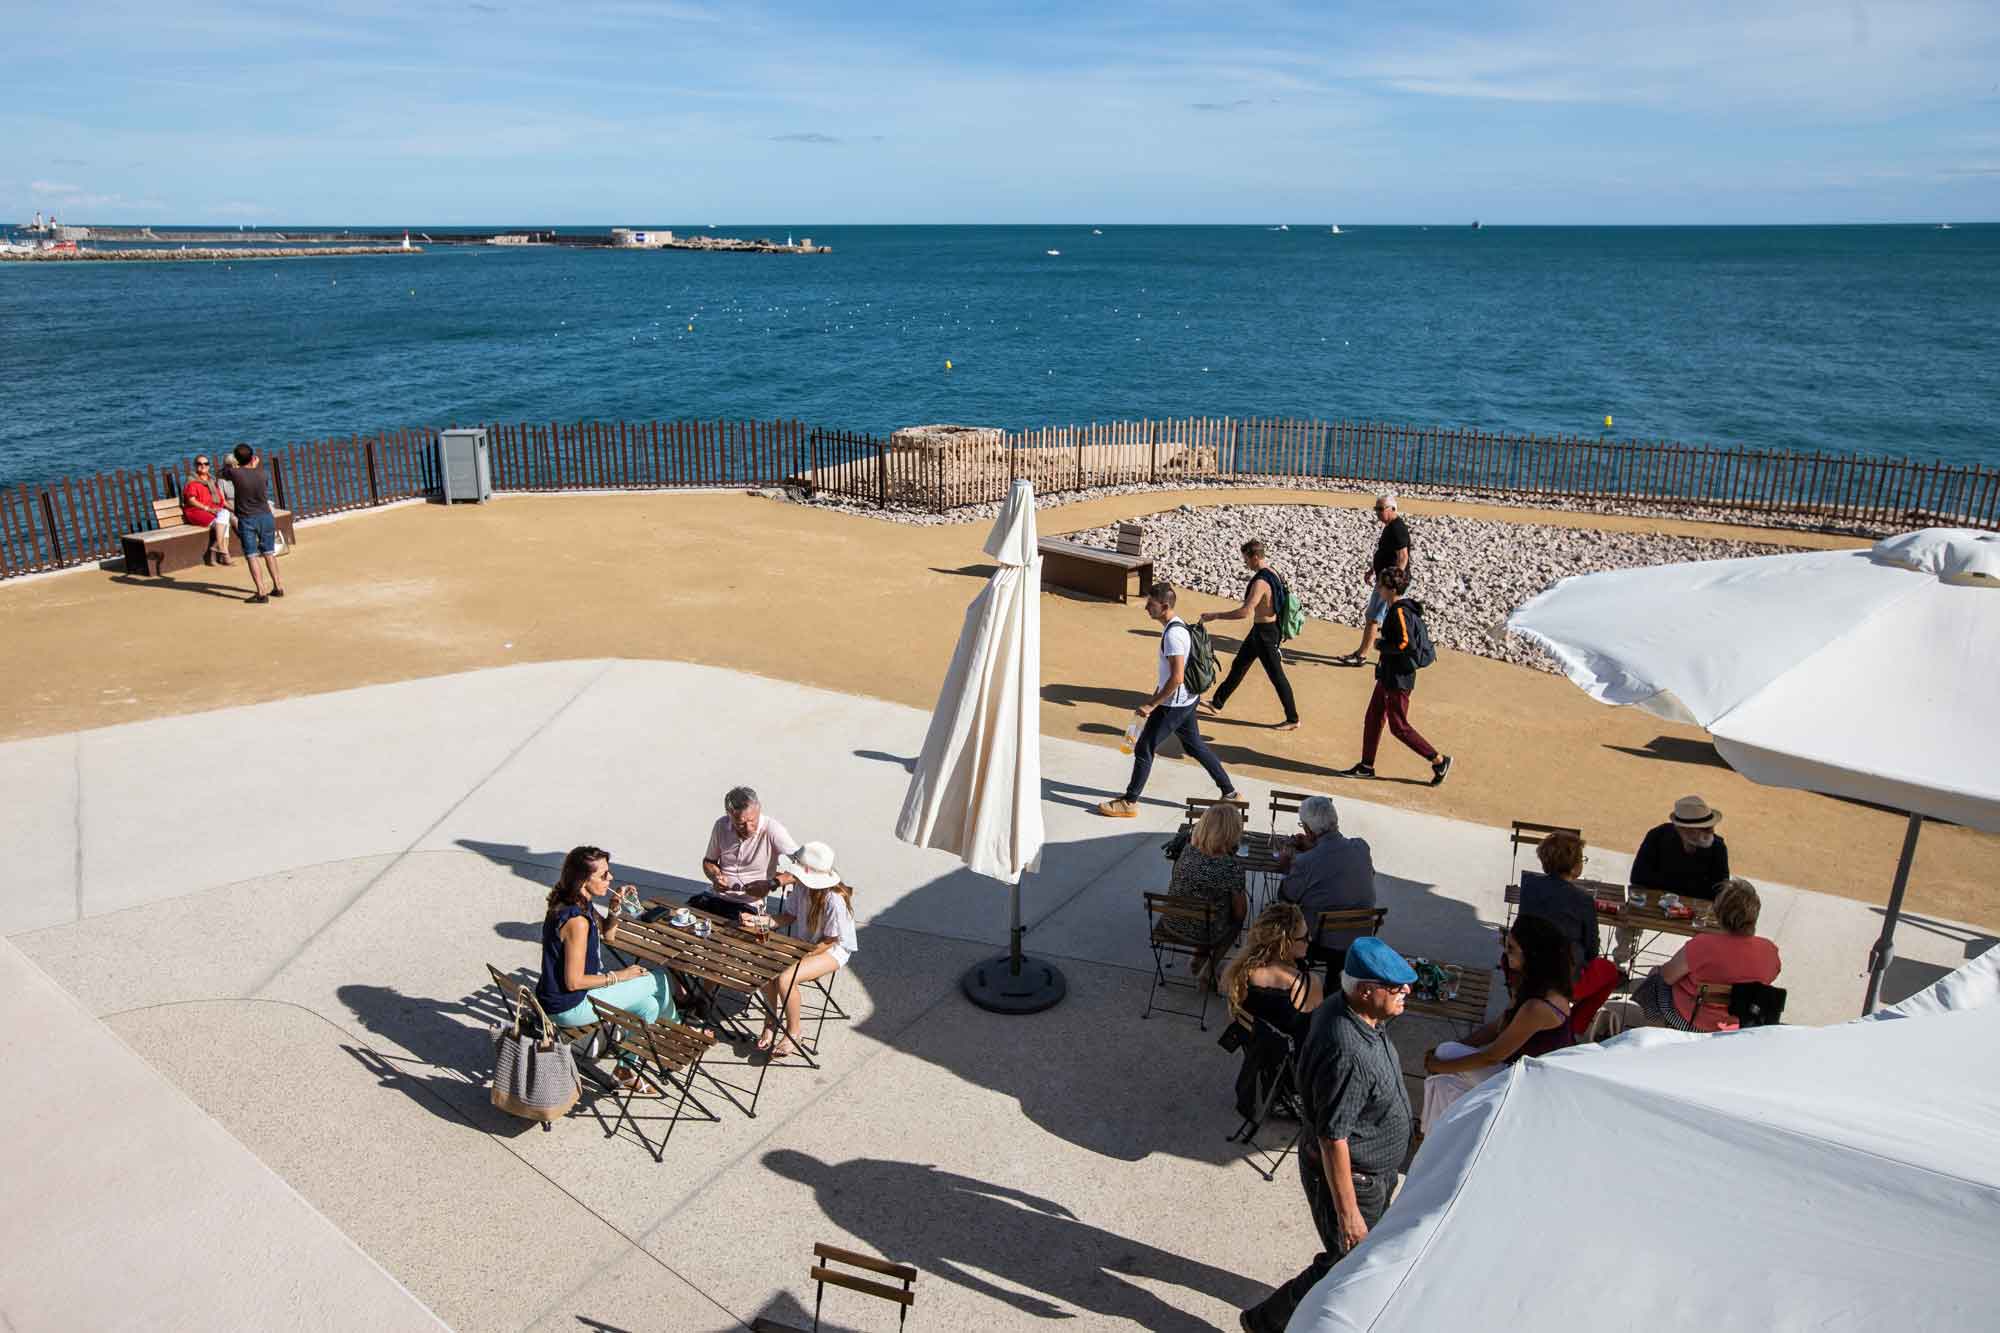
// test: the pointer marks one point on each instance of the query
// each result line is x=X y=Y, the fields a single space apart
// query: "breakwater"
x=208 y=253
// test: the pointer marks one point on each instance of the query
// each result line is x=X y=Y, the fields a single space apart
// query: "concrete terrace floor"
x=863 y=607
x=287 y=909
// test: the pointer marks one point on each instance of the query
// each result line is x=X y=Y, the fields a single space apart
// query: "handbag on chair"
x=533 y=1079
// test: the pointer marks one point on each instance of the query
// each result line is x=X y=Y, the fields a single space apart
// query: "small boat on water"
x=1281 y=227
x=1475 y=224
x=1051 y=252
x=1334 y=230
x=1944 y=226
x=1097 y=231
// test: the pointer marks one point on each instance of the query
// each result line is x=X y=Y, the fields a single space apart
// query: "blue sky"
x=668 y=112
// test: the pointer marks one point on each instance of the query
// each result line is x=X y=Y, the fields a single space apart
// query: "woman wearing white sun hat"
x=819 y=908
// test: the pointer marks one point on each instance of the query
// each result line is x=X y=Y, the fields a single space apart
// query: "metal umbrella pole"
x=1014 y=983
x=1884 y=951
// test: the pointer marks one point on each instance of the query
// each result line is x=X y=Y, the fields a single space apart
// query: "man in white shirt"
x=741 y=862
x=1169 y=711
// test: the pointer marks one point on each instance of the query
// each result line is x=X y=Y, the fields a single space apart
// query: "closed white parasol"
x=977 y=788
x=1864 y=674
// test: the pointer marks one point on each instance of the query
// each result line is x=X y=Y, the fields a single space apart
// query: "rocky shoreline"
x=1469 y=574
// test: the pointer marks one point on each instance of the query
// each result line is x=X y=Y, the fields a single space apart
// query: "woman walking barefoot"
x=818 y=908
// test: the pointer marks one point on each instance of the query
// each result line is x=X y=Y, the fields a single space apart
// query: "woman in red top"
x=1726 y=957
x=202 y=506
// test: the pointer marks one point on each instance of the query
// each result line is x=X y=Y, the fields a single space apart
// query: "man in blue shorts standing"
x=256 y=525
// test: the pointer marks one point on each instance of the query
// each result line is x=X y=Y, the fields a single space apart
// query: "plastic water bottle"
x=1132 y=730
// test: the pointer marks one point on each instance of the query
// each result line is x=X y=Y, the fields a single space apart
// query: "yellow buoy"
x=1607 y=421
x=947 y=365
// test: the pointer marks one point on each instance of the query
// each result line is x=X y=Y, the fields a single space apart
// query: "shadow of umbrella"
x=1053 y=1264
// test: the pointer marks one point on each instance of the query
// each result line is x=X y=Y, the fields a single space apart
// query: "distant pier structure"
x=636 y=238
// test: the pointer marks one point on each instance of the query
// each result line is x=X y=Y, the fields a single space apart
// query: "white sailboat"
x=1334 y=229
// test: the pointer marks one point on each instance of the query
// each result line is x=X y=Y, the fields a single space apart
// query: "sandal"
x=787 y=1048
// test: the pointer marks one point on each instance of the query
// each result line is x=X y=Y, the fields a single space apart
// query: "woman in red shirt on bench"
x=202 y=506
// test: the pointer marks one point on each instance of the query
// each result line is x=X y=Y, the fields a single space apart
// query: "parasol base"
x=996 y=986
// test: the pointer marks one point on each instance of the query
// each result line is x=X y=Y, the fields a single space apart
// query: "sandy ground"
x=859 y=606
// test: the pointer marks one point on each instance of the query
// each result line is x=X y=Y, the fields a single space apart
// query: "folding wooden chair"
x=520 y=997
x=824 y=1274
x=1366 y=920
x=1285 y=803
x=1525 y=834
x=1197 y=806
x=1198 y=917
x=666 y=1055
x=1284 y=1087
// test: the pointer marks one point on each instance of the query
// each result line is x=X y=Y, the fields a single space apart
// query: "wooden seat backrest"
x=1162 y=907
x=167 y=514
x=1367 y=919
x=1527 y=833
x=665 y=1043
x=903 y=1273
x=1712 y=993
x=1131 y=539
x=1286 y=803
x=1197 y=806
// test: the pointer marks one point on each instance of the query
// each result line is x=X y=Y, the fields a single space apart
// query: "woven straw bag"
x=535 y=1080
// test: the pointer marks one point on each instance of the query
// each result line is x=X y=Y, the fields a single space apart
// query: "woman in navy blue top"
x=573 y=971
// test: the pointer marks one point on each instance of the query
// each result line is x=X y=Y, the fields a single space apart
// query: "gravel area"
x=1628 y=508
x=1469 y=574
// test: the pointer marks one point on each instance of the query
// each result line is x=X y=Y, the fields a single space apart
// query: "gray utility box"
x=463 y=464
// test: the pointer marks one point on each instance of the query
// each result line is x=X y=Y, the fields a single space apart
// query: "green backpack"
x=1200 y=672
x=1291 y=616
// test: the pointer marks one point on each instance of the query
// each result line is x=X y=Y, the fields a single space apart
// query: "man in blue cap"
x=1357 y=1117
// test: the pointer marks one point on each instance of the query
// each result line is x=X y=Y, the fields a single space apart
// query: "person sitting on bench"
x=742 y=858
x=203 y=506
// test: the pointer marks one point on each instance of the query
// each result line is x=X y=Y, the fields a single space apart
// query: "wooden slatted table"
x=727 y=958
x=1466 y=1009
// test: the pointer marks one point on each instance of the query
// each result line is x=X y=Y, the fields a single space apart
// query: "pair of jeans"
x=1161 y=723
x=1371 y=1194
x=1260 y=645
x=651 y=997
x=1394 y=706
x=258 y=533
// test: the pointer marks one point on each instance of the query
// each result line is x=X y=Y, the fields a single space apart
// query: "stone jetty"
x=203 y=253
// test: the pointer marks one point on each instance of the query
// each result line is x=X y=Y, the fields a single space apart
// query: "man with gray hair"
x=1392 y=551
x=1354 y=1121
x=742 y=857
x=1328 y=873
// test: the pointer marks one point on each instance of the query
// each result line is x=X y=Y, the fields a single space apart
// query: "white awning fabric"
x=1776 y=1178
x=1868 y=674
x=977 y=787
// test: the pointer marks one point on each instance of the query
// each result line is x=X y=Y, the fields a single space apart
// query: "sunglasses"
x=201 y=462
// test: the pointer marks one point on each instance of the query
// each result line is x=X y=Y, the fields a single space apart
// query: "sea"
x=1849 y=339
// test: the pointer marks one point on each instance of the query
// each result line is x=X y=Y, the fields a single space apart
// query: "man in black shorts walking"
x=1264 y=606
x=1392 y=551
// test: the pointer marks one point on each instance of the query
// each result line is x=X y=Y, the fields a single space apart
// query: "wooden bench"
x=1094 y=570
x=171 y=544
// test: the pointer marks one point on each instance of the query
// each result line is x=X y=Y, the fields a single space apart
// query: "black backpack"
x=1422 y=651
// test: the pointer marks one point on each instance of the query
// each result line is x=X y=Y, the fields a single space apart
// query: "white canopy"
x=1775 y=1178
x=1869 y=674
x=977 y=788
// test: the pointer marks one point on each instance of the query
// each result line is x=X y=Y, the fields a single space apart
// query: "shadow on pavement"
x=1053 y=791
x=1049 y=1264
x=1675 y=750
x=540 y=868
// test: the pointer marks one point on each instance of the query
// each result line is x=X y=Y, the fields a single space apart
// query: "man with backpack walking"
x=1187 y=667
x=1406 y=650
x=1269 y=606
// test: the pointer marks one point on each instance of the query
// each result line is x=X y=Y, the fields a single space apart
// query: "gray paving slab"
x=130 y=1208
x=178 y=804
x=38 y=833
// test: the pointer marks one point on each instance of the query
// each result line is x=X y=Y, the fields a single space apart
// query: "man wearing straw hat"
x=1685 y=856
